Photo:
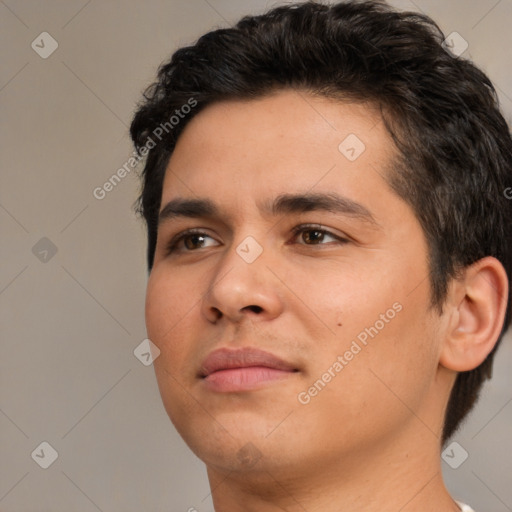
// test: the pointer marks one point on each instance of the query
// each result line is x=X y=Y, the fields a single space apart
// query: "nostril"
x=255 y=309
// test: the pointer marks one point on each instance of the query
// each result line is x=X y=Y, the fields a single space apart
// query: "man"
x=329 y=254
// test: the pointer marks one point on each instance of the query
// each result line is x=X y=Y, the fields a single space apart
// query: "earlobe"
x=478 y=303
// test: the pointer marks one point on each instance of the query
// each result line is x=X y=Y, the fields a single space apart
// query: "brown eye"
x=190 y=241
x=313 y=236
x=194 y=241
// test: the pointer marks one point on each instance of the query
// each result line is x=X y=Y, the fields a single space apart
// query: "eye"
x=313 y=234
x=189 y=241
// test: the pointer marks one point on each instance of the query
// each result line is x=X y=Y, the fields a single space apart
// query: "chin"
x=232 y=441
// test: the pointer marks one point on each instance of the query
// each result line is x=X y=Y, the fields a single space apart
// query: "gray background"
x=70 y=324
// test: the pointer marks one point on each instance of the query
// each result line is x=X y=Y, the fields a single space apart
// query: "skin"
x=370 y=439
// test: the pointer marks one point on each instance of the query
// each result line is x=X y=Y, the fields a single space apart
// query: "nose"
x=242 y=288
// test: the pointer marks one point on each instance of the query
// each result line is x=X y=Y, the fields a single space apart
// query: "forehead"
x=288 y=141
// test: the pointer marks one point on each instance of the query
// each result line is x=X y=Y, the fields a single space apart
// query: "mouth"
x=231 y=370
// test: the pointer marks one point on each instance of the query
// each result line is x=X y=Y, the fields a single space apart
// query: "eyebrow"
x=193 y=208
x=302 y=203
x=284 y=204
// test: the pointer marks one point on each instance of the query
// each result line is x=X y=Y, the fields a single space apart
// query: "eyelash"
x=302 y=228
x=171 y=246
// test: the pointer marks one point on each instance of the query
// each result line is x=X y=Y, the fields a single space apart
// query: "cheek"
x=402 y=357
x=383 y=383
x=341 y=301
x=160 y=311
x=169 y=295
x=386 y=333
x=170 y=306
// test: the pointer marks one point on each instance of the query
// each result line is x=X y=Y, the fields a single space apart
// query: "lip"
x=228 y=370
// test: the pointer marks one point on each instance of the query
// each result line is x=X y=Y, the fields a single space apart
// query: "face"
x=289 y=295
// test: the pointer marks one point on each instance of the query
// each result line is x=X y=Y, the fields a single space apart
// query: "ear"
x=476 y=307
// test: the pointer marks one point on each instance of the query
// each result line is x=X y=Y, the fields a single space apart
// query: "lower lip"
x=243 y=379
